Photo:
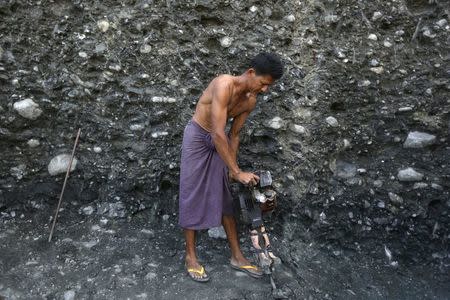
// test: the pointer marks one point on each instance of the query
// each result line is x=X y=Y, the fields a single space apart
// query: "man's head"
x=264 y=69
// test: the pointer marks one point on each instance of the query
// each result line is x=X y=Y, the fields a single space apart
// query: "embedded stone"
x=103 y=25
x=372 y=37
x=332 y=121
x=60 y=163
x=418 y=139
x=217 y=233
x=226 y=41
x=409 y=174
x=276 y=123
x=28 y=109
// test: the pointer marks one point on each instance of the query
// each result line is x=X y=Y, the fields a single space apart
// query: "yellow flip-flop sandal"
x=248 y=270
x=201 y=271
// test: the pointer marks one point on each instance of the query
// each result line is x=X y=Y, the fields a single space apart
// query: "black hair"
x=267 y=64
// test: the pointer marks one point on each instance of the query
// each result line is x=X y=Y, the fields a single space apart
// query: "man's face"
x=261 y=83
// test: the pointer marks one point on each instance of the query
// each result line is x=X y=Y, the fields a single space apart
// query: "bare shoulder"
x=222 y=82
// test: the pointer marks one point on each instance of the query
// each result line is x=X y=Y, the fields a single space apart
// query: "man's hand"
x=246 y=178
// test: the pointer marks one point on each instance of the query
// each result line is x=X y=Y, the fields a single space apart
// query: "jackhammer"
x=256 y=201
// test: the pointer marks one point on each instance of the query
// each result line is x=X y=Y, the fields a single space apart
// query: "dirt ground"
x=93 y=257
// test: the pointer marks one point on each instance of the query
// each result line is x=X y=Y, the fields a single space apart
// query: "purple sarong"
x=204 y=189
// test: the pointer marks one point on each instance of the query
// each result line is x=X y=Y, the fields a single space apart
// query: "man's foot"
x=196 y=271
x=245 y=266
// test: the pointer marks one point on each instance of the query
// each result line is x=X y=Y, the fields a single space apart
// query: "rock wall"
x=355 y=133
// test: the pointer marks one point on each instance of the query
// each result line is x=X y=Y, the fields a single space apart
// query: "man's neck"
x=240 y=84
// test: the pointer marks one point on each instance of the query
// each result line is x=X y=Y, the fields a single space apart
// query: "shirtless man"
x=208 y=158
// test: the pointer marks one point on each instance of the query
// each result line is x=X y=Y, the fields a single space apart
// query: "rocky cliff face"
x=355 y=133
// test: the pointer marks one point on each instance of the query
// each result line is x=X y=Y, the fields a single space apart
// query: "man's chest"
x=239 y=105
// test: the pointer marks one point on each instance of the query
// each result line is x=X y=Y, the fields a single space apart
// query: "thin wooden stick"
x=64 y=185
x=417 y=30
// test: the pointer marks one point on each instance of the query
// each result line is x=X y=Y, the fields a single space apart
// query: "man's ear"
x=251 y=72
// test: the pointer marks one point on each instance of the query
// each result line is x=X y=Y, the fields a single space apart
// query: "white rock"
x=377 y=70
x=429 y=34
x=374 y=62
x=137 y=127
x=396 y=199
x=365 y=83
x=332 y=121
x=400 y=32
x=322 y=217
x=253 y=8
x=331 y=19
x=405 y=109
x=88 y=210
x=33 y=143
x=115 y=67
x=409 y=174
x=103 y=25
x=418 y=139
x=276 y=123
x=298 y=129
x=159 y=133
x=69 y=295
x=339 y=53
x=290 y=18
x=97 y=149
x=441 y=23
x=226 y=41
x=82 y=54
x=60 y=163
x=217 y=233
x=420 y=185
x=378 y=183
x=165 y=217
x=387 y=44
x=347 y=143
x=144 y=49
x=28 y=109
x=89 y=244
x=372 y=37
x=376 y=15
x=161 y=99
x=19 y=171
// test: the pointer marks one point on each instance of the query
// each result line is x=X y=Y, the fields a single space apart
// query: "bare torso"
x=238 y=102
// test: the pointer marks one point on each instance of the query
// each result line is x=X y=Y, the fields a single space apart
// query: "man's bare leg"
x=191 y=253
x=237 y=258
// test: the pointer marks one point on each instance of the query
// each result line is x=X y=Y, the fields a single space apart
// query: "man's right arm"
x=220 y=98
